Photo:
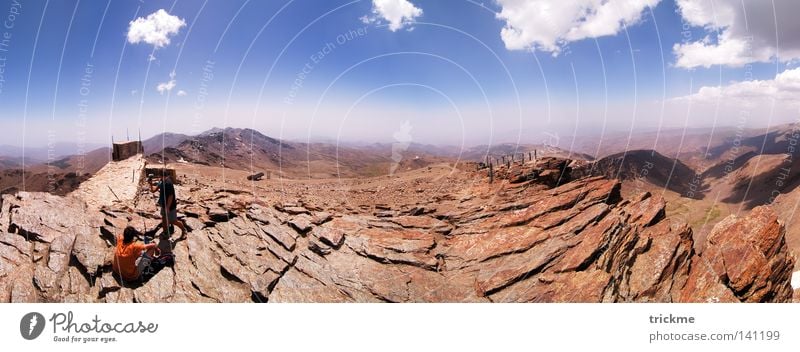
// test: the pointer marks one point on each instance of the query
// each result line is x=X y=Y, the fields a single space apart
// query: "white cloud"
x=547 y=25
x=181 y=93
x=398 y=13
x=749 y=103
x=155 y=29
x=167 y=86
x=151 y=57
x=739 y=32
x=785 y=88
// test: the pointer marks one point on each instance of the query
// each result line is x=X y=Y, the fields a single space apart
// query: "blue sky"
x=70 y=71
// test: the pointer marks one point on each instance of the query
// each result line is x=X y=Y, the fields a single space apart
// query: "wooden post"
x=491 y=173
x=530 y=156
x=535 y=157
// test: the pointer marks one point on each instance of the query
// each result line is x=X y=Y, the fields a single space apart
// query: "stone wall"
x=117 y=181
x=124 y=150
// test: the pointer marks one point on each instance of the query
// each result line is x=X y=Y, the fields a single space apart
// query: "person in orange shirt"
x=130 y=256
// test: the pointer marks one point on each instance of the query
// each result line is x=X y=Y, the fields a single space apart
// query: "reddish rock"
x=199 y=264
x=75 y=289
x=544 y=205
x=523 y=242
x=704 y=286
x=242 y=255
x=159 y=289
x=573 y=287
x=503 y=271
x=749 y=255
x=89 y=249
x=319 y=248
x=321 y=217
x=44 y=217
x=331 y=236
x=22 y=289
x=663 y=264
x=301 y=223
x=294 y=210
x=422 y=222
x=492 y=244
x=283 y=235
x=591 y=243
x=301 y=288
x=647 y=209
x=407 y=246
x=60 y=251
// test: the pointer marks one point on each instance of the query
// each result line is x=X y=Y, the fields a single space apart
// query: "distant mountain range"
x=39 y=154
x=247 y=149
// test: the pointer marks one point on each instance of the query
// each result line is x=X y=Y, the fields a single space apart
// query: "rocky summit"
x=439 y=234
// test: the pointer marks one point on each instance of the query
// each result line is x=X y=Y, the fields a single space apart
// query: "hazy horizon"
x=511 y=137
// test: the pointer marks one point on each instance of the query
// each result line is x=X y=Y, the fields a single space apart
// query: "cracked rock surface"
x=532 y=235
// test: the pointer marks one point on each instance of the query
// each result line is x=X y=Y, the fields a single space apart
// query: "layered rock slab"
x=519 y=239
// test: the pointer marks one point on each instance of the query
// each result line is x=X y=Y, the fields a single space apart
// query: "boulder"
x=750 y=257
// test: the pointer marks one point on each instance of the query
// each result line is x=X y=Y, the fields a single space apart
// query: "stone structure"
x=118 y=181
x=124 y=150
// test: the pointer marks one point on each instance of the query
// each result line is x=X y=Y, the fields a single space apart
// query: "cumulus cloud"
x=784 y=88
x=398 y=13
x=739 y=32
x=547 y=25
x=167 y=86
x=181 y=93
x=155 y=29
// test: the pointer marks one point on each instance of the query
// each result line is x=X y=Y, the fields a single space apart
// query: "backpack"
x=156 y=264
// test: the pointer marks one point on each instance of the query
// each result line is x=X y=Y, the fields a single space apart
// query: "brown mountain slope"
x=162 y=140
x=649 y=166
x=58 y=177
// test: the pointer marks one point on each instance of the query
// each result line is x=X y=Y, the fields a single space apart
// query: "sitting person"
x=131 y=257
